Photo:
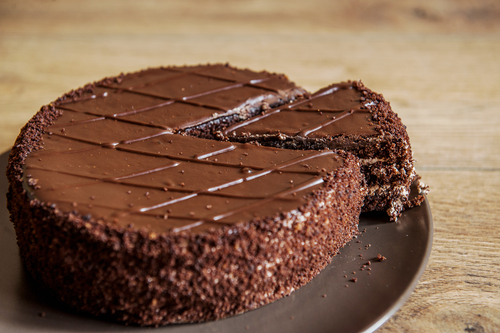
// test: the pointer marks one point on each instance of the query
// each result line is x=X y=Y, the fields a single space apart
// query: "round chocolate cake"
x=186 y=194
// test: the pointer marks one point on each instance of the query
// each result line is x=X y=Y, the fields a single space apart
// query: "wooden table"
x=437 y=62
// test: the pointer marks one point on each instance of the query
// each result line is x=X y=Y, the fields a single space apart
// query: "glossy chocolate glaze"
x=339 y=109
x=115 y=153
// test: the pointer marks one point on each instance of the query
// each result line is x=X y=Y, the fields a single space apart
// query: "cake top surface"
x=111 y=153
x=172 y=182
x=175 y=98
x=338 y=110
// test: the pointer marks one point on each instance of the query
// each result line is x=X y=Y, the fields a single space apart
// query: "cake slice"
x=350 y=117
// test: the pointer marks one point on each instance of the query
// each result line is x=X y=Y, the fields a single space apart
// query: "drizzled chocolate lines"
x=139 y=87
x=115 y=117
x=197 y=222
x=211 y=190
x=292 y=107
x=169 y=100
x=203 y=158
x=303 y=186
x=99 y=117
x=111 y=144
x=277 y=110
x=207 y=191
x=185 y=99
x=119 y=180
x=78 y=98
x=244 y=179
x=314 y=128
x=198 y=72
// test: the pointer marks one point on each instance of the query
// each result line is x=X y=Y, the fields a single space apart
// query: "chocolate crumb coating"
x=120 y=212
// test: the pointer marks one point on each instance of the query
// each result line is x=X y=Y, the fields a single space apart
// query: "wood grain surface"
x=438 y=62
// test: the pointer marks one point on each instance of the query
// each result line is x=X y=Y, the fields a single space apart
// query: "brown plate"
x=332 y=302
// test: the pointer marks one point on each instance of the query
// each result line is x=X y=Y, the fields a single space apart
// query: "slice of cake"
x=350 y=117
x=120 y=214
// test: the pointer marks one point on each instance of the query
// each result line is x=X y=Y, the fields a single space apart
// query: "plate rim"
x=416 y=278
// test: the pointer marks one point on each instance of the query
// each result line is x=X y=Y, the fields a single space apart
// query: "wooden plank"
x=436 y=61
x=257 y=16
x=461 y=287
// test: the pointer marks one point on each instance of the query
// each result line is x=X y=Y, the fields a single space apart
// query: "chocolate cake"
x=132 y=199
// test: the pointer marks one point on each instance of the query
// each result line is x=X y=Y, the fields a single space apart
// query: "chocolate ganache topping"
x=340 y=109
x=116 y=152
